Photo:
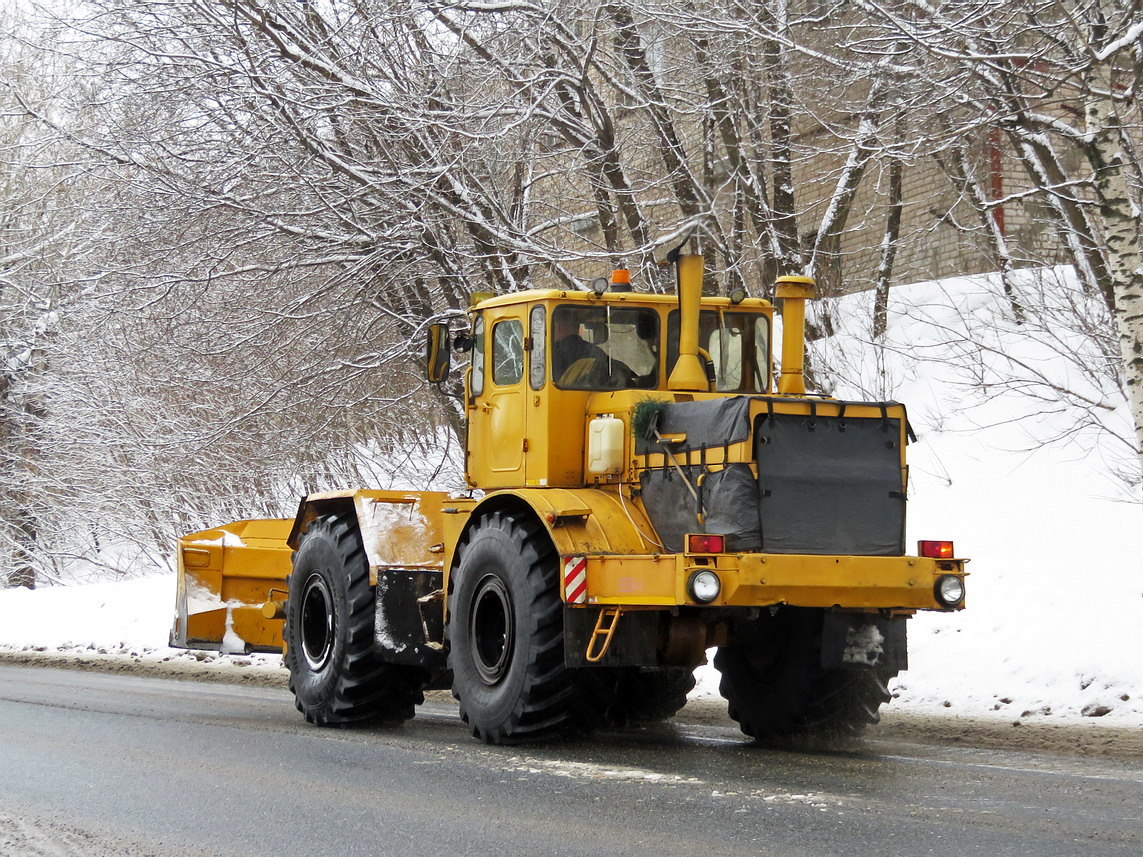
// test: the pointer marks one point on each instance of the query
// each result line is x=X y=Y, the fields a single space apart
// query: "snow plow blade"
x=225 y=576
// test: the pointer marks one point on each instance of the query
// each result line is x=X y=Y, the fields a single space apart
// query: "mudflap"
x=635 y=643
x=409 y=627
x=858 y=640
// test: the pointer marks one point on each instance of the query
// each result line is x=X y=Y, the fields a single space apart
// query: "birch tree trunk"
x=1121 y=236
x=888 y=251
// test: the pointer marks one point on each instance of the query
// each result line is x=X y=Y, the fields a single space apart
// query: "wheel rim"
x=317 y=622
x=492 y=630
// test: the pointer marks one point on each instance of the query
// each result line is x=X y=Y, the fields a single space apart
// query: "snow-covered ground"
x=1054 y=625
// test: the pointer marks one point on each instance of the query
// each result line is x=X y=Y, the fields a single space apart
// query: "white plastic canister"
x=605 y=445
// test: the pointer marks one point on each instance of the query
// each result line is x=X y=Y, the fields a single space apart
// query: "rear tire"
x=776 y=687
x=650 y=694
x=336 y=676
x=506 y=638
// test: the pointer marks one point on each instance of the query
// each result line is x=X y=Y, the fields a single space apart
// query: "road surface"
x=96 y=764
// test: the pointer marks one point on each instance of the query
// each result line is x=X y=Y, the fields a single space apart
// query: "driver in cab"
x=573 y=357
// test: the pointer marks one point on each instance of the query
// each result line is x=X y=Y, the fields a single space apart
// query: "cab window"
x=538 y=359
x=604 y=348
x=507 y=352
x=738 y=344
x=476 y=382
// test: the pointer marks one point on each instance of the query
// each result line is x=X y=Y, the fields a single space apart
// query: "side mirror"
x=437 y=359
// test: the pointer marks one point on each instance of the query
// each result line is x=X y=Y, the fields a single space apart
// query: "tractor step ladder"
x=601 y=637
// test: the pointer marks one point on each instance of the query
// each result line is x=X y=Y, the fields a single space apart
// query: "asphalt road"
x=95 y=764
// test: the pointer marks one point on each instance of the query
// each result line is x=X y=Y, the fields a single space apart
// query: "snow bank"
x=1025 y=460
x=124 y=616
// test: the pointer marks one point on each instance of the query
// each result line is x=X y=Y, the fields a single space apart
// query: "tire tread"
x=795 y=695
x=362 y=687
x=554 y=702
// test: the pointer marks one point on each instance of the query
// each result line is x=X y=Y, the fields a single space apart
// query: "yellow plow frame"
x=225 y=576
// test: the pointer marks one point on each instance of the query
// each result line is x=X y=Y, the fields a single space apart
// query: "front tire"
x=335 y=675
x=776 y=687
x=506 y=638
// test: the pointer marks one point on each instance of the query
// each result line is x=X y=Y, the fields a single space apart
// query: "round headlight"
x=949 y=590
x=704 y=586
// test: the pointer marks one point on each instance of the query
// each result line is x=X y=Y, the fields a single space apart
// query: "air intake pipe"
x=689 y=374
x=793 y=292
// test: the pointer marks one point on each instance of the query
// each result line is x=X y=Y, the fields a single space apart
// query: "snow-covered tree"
x=248 y=211
x=38 y=237
x=1059 y=81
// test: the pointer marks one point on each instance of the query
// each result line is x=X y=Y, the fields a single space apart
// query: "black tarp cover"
x=715 y=422
x=826 y=484
x=729 y=497
x=830 y=486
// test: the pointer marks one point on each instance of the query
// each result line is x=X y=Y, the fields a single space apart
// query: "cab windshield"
x=738 y=345
x=604 y=348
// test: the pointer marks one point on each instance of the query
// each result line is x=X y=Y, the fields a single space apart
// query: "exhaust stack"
x=689 y=374
x=793 y=292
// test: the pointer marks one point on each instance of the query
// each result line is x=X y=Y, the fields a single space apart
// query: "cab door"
x=497 y=430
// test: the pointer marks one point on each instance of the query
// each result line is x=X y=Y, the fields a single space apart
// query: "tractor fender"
x=399 y=529
x=579 y=521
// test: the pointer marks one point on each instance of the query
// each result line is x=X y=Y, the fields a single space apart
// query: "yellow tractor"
x=638 y=494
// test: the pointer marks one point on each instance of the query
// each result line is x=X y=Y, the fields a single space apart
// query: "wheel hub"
x=492 y=630
x=317 y=622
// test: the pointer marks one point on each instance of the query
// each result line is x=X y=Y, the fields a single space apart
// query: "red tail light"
x=705 y=543
x=936 y=550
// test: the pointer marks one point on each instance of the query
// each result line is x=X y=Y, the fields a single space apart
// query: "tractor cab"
x=543 y=362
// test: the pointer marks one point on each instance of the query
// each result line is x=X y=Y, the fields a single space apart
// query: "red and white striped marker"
x=575 y=579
